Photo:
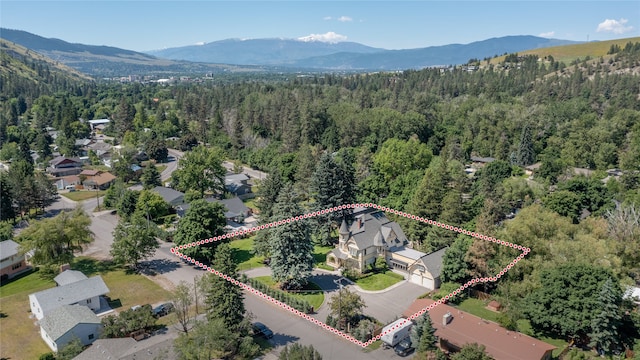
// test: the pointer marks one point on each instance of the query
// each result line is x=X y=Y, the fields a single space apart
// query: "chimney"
x=446 y=318
x=65 y=267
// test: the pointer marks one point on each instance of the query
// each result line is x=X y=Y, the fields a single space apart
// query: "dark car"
x=404 y=347
x=260 y=329
x=162 y=310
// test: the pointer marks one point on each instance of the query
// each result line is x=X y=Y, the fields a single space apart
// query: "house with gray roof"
x=69 y=276
x=159 y=346
x=85 y=292
x=12 y=262
x=62 y=325
x=237 y=184
x=373 y=235
x=171 y=196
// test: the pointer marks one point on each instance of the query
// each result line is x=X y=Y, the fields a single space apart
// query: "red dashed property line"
x=321 y=324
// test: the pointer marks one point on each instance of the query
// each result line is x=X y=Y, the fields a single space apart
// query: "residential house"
x=479 y=162
x=530 y=169
x=97 y=180
x=69 y=277
x=633 y=294
x=455 y=328
x=171 y=196
x=236 y=212
x=128 y=349
x=373 y=235
x=85 y=292
x=12 y=262
x=65 y=182
x=62 y=325
x=64 y=166
x=237 y=184
x=97 y=122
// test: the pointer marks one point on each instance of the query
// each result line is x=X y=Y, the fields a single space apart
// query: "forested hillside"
x=404 y=140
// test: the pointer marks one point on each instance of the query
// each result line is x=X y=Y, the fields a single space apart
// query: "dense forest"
x=404 y=139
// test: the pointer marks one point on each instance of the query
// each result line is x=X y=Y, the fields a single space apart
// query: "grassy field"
x=315 y=299
x=242 y=254
x=320 y=255
x=379 y=281
x=15 y=322
x=568 y=53
x=161 y=168
x=82 y=195
x=126 y=290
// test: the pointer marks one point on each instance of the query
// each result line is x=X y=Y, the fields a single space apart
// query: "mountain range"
x=266 y=55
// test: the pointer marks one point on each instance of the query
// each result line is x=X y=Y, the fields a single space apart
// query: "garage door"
x=417 y=278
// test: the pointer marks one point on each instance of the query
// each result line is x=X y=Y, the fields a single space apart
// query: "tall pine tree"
x=526 y=155
x=224 y=300
x=291 y=248
x=605 y=325
x=423 y=335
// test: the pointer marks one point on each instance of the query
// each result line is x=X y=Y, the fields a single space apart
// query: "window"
x=90 y=336
x=88 y=301
x=353 y=252
x=16 y=266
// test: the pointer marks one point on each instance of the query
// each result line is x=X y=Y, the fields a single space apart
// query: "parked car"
x=260 y=329
x=404 y=347
x=163 y=309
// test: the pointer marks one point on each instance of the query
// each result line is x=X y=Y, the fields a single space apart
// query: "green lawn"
x=525 y=327
x=242 y=254
x=477 y=308
x=250 y=203
x=374 y=346
x=379 y=281
x=24 y=341
x=161 y=168
x=82 y=195
x=314 y=299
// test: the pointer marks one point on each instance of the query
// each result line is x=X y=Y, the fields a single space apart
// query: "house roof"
x=372 y=228
x=168 y=194
x=100 y=179
x=235 y=178
x=633 y=293
x=464 y=328
x=8 y=248
x=339 y=254
x=88 y=172
x=82 y=142
x=99 y=121
x=71 y=293
x=69 y=276
x=70 y=178
x=433 y=262
x=482 y=159
x=60 y=159
x=410 y=253
x=533 y=167
x=156 y=347
x=235 y=207
x=59 y=321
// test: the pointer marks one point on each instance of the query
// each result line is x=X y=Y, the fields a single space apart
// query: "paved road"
x=172 y=165
x=256 y=174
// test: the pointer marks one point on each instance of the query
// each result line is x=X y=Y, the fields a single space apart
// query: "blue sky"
x=151 y=24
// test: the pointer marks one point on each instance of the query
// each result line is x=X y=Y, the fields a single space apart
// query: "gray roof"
x=69 y=276
x=155 y=347
x=339 y=254
x=235 y=207
x=59 y=321
x=8 y=248
x=482 y=159
x=168 y=194
x=373 y=229
x=235 y=178
x=71 y=293
x=433 y=262
x=410 y=253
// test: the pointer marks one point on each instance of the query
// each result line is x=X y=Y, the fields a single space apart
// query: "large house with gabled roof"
x=373 y=235
x=62 y=325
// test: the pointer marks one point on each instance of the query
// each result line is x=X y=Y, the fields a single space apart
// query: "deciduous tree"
x=203 y=220
x=134 y=241
x=201 y=169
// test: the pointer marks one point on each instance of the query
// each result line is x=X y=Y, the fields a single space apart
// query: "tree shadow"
x=114 y=303
x=240 y=256
x=326 y=282
x=91 y=267
x=158 y=266
x=282 y=339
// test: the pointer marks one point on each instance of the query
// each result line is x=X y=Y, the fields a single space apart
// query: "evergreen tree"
x=6 y=198
x=427 y=201
x=454 y=267
x=605 y=335
x=423 y=335
x=299 y=352
x=224 y=300
x=268 y=194
x=290 y=245
x=150 y=177
x=331 y=185
x=526 y=154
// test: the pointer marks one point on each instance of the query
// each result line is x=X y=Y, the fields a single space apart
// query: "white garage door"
x=417 y=278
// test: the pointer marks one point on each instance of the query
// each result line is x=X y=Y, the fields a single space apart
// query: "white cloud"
x=329 y=37
x=614 y=26
x=200 y=43
x=326 y=18
x=547 y=34
x=344 y=19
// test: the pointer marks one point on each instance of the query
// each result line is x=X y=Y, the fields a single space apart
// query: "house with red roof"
x=456 y=328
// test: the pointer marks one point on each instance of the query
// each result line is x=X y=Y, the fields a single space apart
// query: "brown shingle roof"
x=500 y=343
x=100 y=179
